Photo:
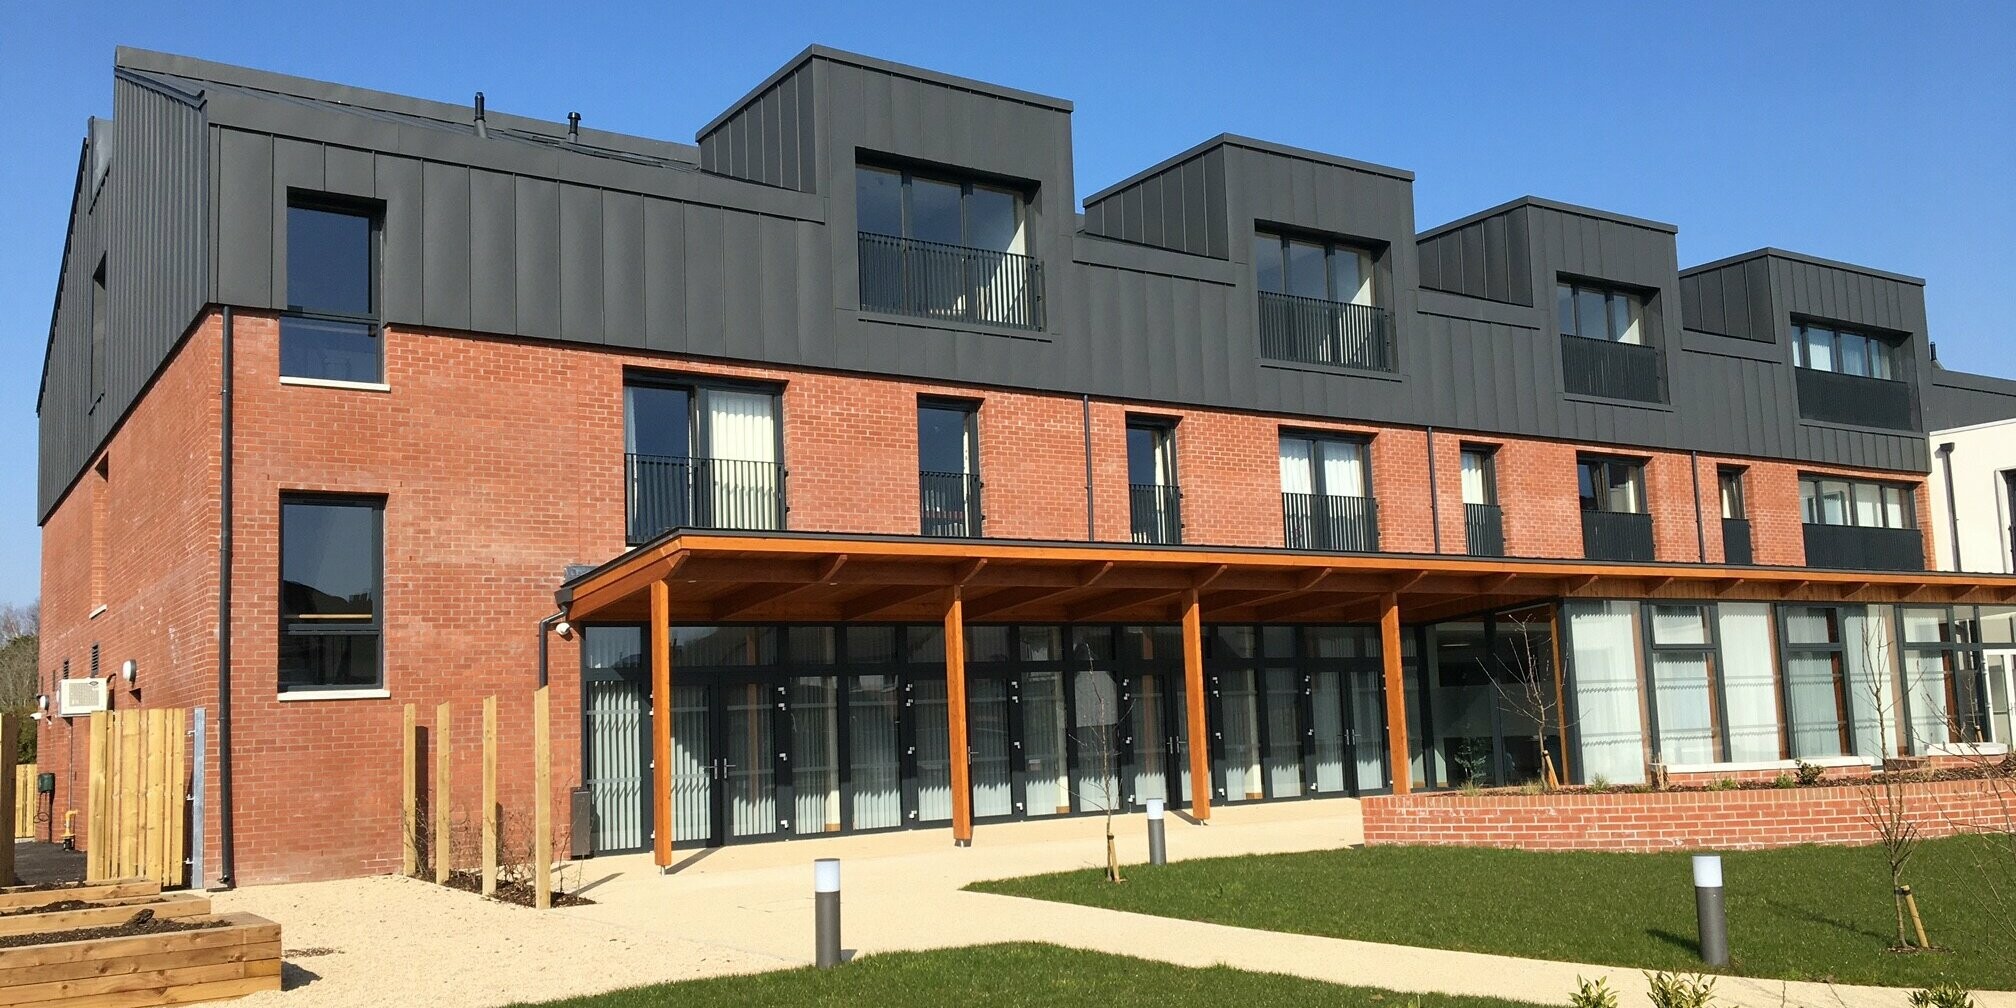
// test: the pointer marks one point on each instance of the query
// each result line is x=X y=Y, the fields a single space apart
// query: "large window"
x=1615 y=486
x=945 y=247
x=1827 y=501
x=1326 y=494
x=331 y=330
x=1816 y=684
x=331 y=577
x=700 y=455
x=1842 y=351
x=1682 y=671
x=1601 y=313
x=1942 y=689
x=948 y=467
x=1312 y=268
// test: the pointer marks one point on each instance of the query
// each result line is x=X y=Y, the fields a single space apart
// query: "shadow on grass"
x=1809 y=916
x=1691 y=946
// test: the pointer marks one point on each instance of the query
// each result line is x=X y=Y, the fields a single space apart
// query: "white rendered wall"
x=1980 y=454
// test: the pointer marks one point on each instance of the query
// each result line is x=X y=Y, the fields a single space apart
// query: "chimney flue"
x=573 y=127
x=482 y=129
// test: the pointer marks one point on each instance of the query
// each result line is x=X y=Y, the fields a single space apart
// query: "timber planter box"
x=238 y=956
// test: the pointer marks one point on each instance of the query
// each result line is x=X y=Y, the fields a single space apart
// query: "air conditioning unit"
x=82 y=696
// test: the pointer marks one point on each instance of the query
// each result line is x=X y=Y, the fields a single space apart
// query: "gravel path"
x=393 y=941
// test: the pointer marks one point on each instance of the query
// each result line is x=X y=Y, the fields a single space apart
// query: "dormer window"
x=1842 y=351
x=945 y=247
x=1319 y=303
x=1606 y=350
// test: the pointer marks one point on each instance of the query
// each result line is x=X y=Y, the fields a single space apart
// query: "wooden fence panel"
x=139 y=783
x=24 y=802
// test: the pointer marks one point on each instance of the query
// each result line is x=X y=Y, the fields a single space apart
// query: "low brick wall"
x=1662 y=821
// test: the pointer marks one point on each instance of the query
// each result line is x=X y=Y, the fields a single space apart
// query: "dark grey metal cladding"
x=143 y=206
x=1488 y=255
x=1731 y=299
x=771 y=136
x=1958 y=399
x=629 y=242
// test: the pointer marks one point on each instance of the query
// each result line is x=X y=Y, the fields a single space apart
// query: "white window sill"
x=96 y=612
x=1968 y=749
x=353 y=386
x=294 y=696
x=1762 y=765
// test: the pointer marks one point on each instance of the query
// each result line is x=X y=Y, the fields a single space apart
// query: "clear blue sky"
x=1878 y=133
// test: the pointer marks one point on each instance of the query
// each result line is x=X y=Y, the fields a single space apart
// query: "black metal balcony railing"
x=670 y=491
x=1484 y=529
x=1321 y=522
x=1852 y=399
x=1315 y=331
x=1155 y=513
x=1616 y=535
x=1610 y=369
x=1736 y=541
x=911 y=277
x=949 y=503
x=1848 y=547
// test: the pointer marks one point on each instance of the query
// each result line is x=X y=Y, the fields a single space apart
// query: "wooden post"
x=1560 y=693
x=97 y=848
x=542 y=800
x=123 y=792
x=661 y=725
x=955 y=720
x=438 y=799
x=409 y=774
x=10 y=730
x=1193 y=704
x=1398 y=765
x=490 y=796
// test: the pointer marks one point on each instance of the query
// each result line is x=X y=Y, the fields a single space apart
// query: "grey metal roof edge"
x=816 y=51
x=63 y=266
x=191 y=69
x=1801 y=257
x=164 y=88
x=1250 y=143
x=1543 y=203
x=1973 y=381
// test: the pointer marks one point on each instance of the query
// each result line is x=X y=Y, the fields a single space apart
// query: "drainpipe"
x=1700 y=530
x=1434 y=499
x=1086 y=401
x=1952 y=505
x=226 y=849
x=545 y=629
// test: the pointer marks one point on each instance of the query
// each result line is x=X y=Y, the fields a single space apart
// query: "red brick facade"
x=1685 y=820
x=500 y=462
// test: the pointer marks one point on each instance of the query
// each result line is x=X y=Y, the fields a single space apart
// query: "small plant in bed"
x=512 y=890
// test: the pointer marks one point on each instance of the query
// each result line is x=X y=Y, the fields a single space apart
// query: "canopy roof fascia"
x=722 y=576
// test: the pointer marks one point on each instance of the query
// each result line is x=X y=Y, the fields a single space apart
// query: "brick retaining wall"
x=1659 y=821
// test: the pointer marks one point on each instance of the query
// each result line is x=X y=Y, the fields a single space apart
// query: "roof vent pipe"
x=482 y=130
x=573 y=127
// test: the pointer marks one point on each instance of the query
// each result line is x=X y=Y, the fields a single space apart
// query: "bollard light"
x=826 y=911
x=1710 y=919
x=1158 y=845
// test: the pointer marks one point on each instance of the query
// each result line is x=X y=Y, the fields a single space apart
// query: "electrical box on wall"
x=81 y=696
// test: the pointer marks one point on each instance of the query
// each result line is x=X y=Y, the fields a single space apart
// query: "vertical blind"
x=1606 y=690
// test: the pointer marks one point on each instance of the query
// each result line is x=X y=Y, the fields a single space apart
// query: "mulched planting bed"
x=153 y=925
x=1929 y=776
x=50 y=907
x=45 y=887
x=518 y=893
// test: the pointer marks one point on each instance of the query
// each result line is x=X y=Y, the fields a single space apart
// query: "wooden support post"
x=1560 y=694
x=661 y=725
x=97 y=848
x=409 y=774
x=490 y=796
x=1193 y=695
x=437 y=801
x=1398 y=765
x=542 y=800
x=10 y=730
x=124 y=793
x=955 y=719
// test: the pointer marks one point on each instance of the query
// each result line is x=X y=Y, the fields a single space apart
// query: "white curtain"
x=815 y=754
x=1686 y=728
x=742 y=447
x=1871 y=659
x=1297 y=475
x=1749 y=684
x=872 y=709
x=1925 y=674
x=1344 y=469
x=1606 y=690
x=1476 y=479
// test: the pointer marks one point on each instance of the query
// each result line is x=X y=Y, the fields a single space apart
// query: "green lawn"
x=1011 y=976
x=1802 y=913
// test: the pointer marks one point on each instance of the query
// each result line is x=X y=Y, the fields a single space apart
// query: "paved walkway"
x=750 y=908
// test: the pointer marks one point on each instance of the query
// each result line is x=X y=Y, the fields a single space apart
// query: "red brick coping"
x=1664 y=821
